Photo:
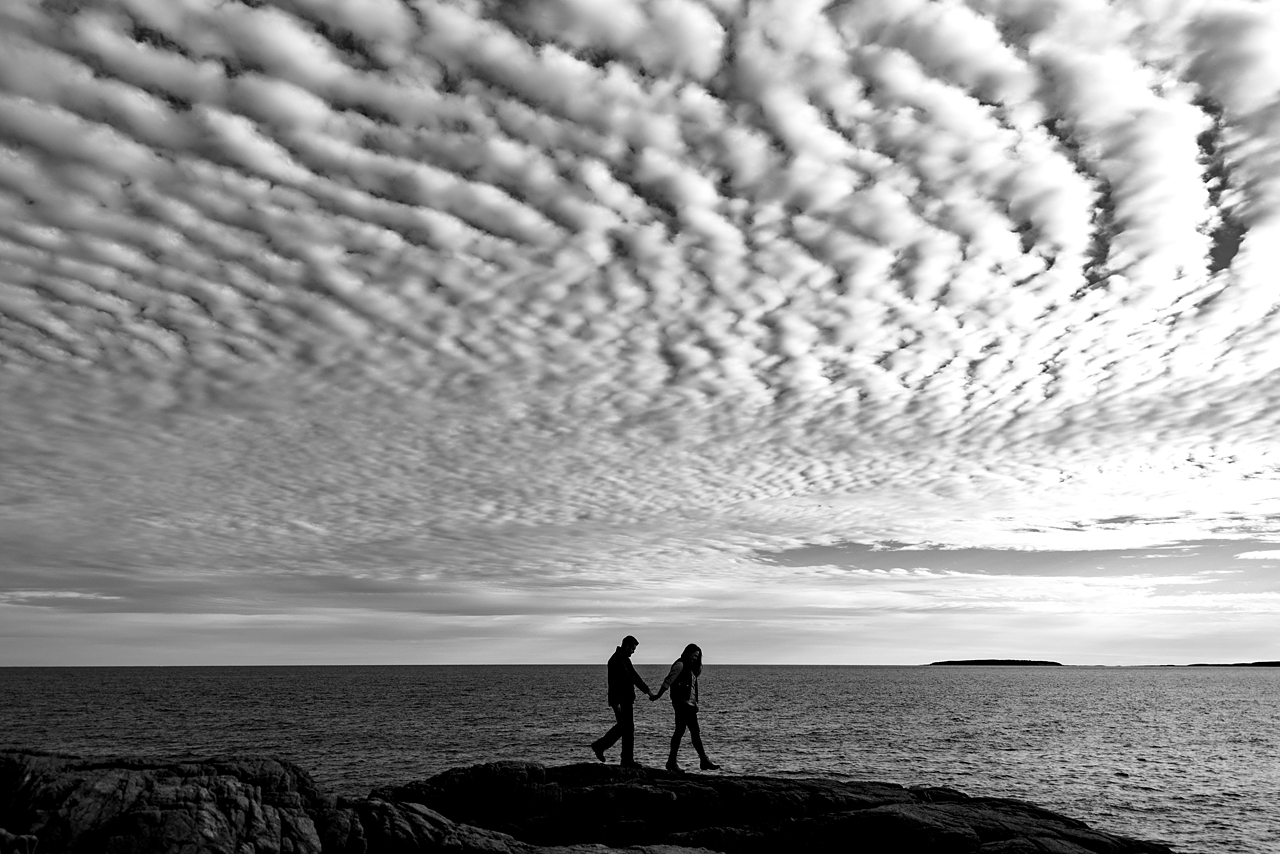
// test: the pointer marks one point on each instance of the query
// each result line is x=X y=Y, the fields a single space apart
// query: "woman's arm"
x=671 y=677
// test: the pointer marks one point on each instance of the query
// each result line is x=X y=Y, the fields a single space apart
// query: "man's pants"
x=624 y=729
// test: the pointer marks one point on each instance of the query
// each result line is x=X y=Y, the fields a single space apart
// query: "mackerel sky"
x=422 y=331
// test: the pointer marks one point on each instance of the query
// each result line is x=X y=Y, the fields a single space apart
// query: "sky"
x=465 y=331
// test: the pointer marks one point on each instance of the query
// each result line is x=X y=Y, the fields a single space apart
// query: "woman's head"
x=692 y=657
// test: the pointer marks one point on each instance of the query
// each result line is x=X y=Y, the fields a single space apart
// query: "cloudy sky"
x=439 y=331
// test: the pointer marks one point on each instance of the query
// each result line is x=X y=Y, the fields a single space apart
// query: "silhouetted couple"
x=683 y=683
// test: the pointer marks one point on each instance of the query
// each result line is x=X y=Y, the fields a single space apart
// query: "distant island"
x=1003 y=662
x=1241 y=664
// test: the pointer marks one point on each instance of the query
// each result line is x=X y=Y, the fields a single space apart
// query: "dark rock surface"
x=251 y=805
x=722 y=812
x=222 y=805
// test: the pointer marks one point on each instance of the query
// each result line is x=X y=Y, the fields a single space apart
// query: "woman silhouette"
x=683 y=682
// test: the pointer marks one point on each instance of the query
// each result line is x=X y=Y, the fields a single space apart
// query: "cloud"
x=35 y=596
x=561 y=292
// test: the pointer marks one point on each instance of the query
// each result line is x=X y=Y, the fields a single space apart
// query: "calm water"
x=1185 y=756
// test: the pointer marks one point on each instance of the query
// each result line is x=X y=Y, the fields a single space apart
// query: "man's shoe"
x=708 y=765
x=631 y=764
x=672 y=766
x=598 y=752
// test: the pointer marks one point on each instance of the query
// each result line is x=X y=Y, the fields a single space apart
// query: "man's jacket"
x=622 y=676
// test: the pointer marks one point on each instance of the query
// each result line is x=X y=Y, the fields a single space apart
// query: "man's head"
x=629 y=644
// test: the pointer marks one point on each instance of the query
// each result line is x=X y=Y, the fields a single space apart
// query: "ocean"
x=1185 y=756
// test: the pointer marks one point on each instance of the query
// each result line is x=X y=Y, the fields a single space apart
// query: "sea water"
x=1185 y=756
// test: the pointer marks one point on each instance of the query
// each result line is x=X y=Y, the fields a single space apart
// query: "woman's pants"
x=686 y=718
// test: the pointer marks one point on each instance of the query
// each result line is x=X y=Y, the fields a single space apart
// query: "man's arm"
x=636 y=680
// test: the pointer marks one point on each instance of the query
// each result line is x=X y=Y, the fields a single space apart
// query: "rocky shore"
x=251 y=805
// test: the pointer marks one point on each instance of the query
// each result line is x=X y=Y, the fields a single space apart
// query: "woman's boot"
x=671 y=760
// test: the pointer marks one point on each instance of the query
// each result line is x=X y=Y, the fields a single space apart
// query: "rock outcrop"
x=251 y=805
x=745 y=814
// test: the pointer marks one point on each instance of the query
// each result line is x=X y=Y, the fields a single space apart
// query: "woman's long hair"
x=692 y=662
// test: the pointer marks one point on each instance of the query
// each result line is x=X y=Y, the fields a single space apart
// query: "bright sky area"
x=414 y=331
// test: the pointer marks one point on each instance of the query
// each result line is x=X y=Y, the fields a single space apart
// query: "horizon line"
x=1020 y=663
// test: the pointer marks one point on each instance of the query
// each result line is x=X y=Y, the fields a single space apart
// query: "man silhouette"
x=622 y=698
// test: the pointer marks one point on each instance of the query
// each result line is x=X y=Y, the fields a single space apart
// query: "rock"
x=626 y=806
x=234 y=805
x=137 y=805
x=617 y=806
x=410 y=827
x=255 y=805
x=10 y=844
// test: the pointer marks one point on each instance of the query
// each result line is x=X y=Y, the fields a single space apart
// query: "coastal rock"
x=746 y=814
x=137 y=805
x=10 y=844
x=225 y=805
x=254 y=805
